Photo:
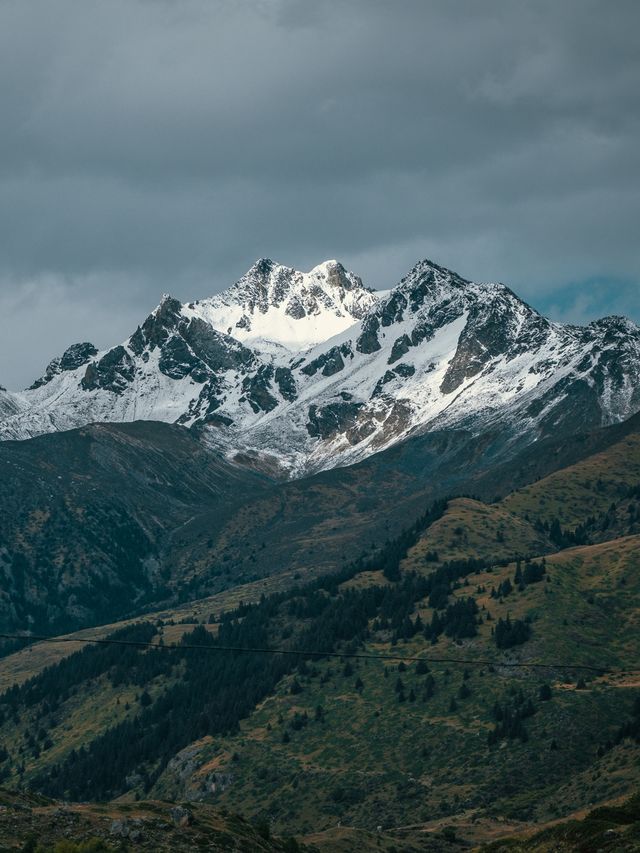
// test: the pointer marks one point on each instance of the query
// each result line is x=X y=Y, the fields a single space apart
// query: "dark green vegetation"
x=427 y=750
x=613 y=828
x=85 y=517
x=214 y=692
x=33 y=824
x=109 y=520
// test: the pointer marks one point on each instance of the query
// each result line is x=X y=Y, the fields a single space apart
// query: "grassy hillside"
x=84 y=518
x=416 y=762
x=313 y=525
x=614 y=827
x=585 y=489
x=288 y=532
x=472 y=528
x=155 y=826
x=105 y=522
x=421 y=761
x=357 y=753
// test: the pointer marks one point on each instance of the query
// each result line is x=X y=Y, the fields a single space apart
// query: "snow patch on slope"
x=274 y=307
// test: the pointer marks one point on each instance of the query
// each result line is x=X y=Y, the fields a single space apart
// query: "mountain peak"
x=279 y=306
x=166 y=297
x=263 y=267
x=73 y=357
x=336 y=276
x=331 y=262
x=318 y=370
x=328 y=268
x=426 y=265
x=616 y=322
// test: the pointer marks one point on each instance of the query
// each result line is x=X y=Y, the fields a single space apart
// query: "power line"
x=325 y=654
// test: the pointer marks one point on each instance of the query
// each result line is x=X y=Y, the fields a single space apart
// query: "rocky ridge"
x=305 y=371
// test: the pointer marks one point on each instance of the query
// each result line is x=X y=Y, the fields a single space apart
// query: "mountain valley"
x=301 y=520
x=437 y=749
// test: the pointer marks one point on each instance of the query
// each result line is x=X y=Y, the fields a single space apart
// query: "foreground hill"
x=162 y=826
x=613 y=827
x=51 y=827
x=476 y=749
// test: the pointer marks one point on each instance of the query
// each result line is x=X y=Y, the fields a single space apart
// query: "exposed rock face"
x=315 y=370
x=177 y=360
x=257 y=389
x=501 y=327
x=286 y=383
x=73 y=357
x=112 y=372
x=332 y=419
x=400 y=348
x=77 y=355
x=329 y=362
x=368 y=340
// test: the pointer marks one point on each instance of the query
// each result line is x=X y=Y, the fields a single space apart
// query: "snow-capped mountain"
x=306 y=371
x=274 y=307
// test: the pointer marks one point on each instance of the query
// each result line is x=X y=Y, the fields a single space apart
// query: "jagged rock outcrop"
x=72 y=358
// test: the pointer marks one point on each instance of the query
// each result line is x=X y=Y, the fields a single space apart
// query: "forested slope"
x=460 y=738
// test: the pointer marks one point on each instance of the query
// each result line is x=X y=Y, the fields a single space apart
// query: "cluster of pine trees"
x=215 y=691
x=210 y=690
x=509 y=718
x=509 y=633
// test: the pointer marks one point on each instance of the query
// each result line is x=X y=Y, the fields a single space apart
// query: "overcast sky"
x=157 y=145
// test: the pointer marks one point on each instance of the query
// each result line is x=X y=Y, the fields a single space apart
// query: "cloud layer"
x=153 y=146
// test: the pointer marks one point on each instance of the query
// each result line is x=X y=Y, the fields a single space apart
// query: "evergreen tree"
x=517 y=578
x=508 y=633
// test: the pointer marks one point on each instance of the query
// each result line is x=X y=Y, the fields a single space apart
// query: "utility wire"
x=324 y=654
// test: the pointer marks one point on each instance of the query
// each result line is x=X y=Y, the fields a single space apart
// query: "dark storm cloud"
x=150 y=145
